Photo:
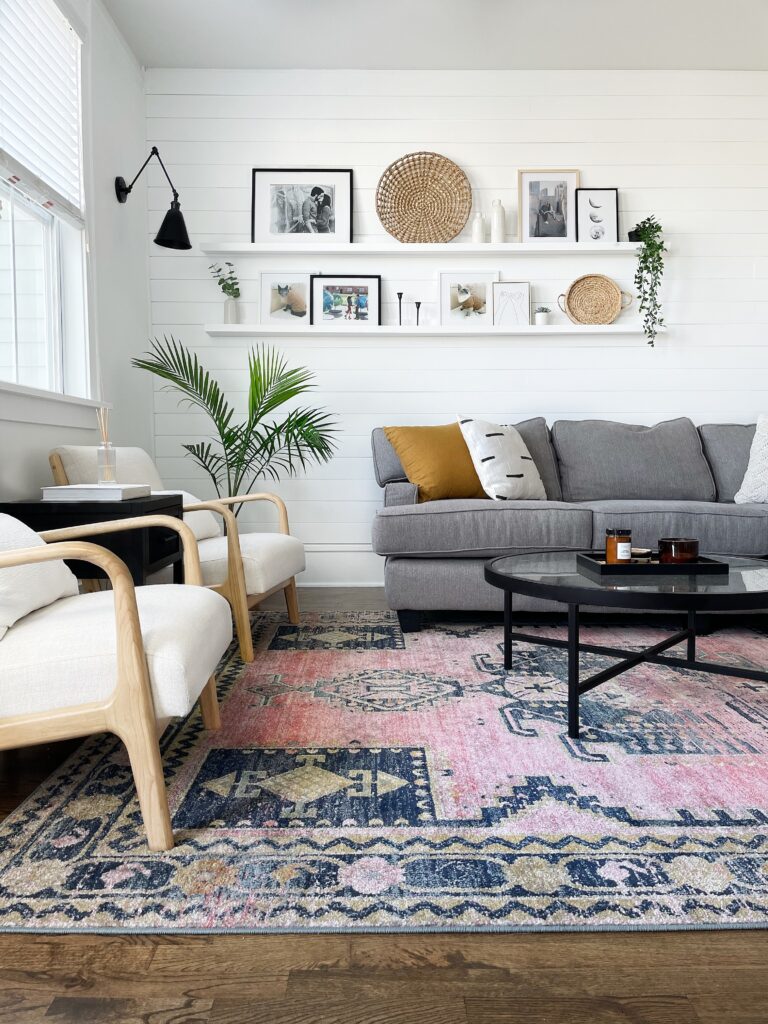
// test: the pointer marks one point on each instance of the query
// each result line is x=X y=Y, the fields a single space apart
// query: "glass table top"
x=559 y=569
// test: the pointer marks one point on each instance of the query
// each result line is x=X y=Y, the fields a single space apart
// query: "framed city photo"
x=511 y=304
x=466 y=299
x=291 y=207
x=284 y=299
x=346 y=300
x=597 y=215
x=547 y=205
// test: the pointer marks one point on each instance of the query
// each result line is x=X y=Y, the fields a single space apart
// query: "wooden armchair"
x=114 y=661
x=244 y=567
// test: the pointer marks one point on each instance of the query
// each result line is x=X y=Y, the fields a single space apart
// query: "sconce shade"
x=173 y=230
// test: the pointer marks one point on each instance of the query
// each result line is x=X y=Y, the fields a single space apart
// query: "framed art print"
x=345 y=300
x=547 y=205
x=284 y=299
x=290 y=206
x=511 y=304
x=466 y=299
x=597 y=215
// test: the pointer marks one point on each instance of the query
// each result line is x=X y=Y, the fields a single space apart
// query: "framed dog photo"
x=466 y=299
x=511 y=304
x=345 y=301
x=547 y=206
x=284 y=299
x=597 y=215
x=291 y=207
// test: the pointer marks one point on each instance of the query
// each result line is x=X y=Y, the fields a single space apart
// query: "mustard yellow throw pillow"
x=437 y=460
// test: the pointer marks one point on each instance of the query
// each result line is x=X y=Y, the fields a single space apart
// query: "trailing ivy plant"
x=650 y=269
x=226 y=279
x=264 y=444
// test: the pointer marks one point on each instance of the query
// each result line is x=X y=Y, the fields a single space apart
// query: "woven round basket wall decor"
x=594 y=299
x=423 y=197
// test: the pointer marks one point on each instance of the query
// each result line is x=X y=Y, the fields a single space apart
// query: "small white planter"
x=541 y=319
x=231 y=311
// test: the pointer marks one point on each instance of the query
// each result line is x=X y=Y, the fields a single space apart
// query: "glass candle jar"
x=618 y=546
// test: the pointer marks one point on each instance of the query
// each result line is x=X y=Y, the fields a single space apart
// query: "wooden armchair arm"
x=243 y=499
x=192 y=573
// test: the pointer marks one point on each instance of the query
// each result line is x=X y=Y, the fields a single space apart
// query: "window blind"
x=40 y=121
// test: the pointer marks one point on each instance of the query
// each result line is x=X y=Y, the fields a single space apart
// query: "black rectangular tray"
x=592 y=563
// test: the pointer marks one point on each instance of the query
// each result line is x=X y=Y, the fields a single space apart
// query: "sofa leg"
x=410 y=622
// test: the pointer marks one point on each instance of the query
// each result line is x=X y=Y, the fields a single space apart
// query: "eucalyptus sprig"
x=226 y=279
x=650 y=269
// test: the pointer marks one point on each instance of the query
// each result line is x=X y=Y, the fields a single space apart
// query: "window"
x=43 y=312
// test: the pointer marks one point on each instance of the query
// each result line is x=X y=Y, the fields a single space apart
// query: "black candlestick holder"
x=418 y=307
x=400 y=309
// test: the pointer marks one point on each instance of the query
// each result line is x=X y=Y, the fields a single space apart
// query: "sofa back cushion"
x=437 y=460
x=534 y=432
x=727 y=446
x=602 y=460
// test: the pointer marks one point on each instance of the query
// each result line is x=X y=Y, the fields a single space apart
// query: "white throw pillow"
x=203 y=524
x=502 y=461
x=25 y=588
x=754 y=486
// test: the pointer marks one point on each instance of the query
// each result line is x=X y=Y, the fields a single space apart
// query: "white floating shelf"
x=432 y=331
x=423 y=249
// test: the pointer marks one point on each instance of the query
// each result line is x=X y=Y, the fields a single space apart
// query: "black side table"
x=143 y=551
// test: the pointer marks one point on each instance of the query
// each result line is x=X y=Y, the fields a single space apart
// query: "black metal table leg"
x=507 y=630
x=573 y=671
x=691 y=648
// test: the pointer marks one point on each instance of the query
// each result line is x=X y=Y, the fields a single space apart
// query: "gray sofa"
x=672 y=479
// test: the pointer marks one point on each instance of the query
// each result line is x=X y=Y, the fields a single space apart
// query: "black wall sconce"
x=173 y=230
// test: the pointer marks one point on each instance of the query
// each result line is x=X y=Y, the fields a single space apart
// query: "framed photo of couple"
x=292 y=207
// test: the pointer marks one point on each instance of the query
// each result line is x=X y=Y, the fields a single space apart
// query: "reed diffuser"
x=106 y=457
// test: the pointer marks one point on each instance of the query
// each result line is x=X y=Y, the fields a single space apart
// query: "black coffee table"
x=553 y=576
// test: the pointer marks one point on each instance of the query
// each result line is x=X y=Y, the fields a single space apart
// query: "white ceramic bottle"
x=478 y=227
x=498 y=225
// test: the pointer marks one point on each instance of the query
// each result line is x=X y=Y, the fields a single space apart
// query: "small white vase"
x=541 y=319
x=478 y=228
x=231 y=311
x=498 y=224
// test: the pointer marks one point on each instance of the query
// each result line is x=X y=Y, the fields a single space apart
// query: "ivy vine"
x=650 y=269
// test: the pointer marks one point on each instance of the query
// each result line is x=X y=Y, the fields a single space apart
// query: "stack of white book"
x=96 y=492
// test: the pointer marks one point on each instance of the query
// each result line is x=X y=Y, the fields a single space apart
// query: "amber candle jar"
x=618 y=547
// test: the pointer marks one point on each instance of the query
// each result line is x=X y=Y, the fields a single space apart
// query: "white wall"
x=691 y=147
x=114 y=143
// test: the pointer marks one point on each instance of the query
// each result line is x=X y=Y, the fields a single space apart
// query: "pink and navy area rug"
x=363 y=780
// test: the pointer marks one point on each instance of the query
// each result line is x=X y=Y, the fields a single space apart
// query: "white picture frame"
x=547 y=205
x=293 y=206
x=466 y=298
x=284 y=299
x=512 y=304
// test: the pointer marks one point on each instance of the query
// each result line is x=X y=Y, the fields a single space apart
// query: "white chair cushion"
x=132 y=465
x=268 y=559
x=64 y=654
x=203 y=524
x=25 y=588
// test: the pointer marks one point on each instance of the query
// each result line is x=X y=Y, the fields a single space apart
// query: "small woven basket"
x=423 y=197
x=594 y=299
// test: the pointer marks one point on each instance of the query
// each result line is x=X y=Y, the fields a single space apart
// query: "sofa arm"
x=400 y=493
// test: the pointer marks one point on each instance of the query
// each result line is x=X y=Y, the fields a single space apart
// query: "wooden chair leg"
x=292 y=601
x=239 y=604
x=209 y=705
x=144 y=754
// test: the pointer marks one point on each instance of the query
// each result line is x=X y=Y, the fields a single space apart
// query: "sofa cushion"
x=437 y=460
x=534 y=432
x=502 y=461
x=604 y=460
x=471 y=528
x=726 y=446
x=720 y=528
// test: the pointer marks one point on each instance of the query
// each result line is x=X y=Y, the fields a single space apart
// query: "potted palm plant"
x=267 y=443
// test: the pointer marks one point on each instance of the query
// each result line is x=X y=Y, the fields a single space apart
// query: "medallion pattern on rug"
x=366 y=780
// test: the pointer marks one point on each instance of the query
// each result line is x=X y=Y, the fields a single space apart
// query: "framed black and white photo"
x=346 y=300
x=511 y=304
x=547 y=205
x=291 y=207
x=285 y=299
x=466 y=298
x=597 y=215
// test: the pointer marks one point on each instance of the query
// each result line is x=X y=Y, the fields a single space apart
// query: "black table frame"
x=574 y=595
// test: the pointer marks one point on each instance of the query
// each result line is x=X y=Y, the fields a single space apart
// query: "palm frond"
x=271 y=383
x=214 y=464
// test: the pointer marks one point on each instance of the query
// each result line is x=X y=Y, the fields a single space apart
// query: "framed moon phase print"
x=597 y=215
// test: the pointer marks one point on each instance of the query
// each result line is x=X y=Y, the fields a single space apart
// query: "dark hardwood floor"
x=608 y=978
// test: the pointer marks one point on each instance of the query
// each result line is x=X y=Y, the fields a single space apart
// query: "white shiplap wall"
x=691 y=147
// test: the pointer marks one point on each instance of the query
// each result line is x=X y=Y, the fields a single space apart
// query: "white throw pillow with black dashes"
x=754 y=486
x=502 y=461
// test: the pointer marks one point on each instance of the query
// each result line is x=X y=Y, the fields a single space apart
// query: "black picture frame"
x=341 y=277
x=309 y=171
x=597 y=188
